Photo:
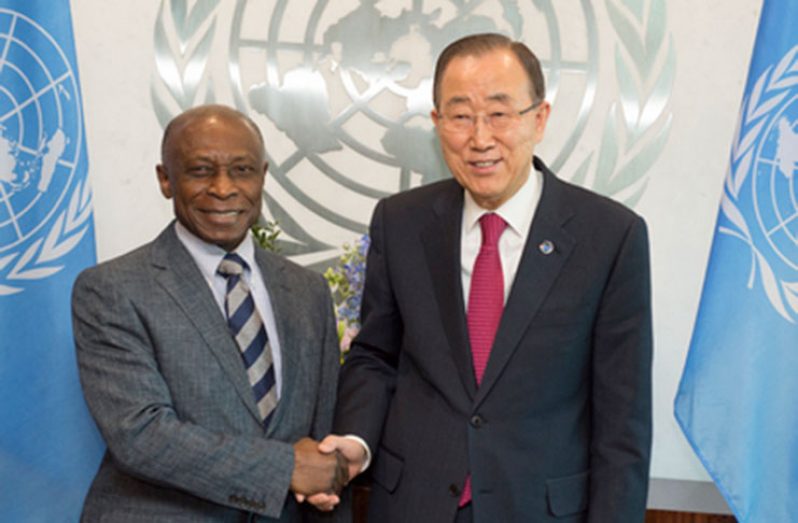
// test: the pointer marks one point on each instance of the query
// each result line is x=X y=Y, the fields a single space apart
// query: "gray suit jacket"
x=165 y=382
x=560 y=428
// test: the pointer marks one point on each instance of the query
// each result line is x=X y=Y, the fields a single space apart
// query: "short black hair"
x=479 y=44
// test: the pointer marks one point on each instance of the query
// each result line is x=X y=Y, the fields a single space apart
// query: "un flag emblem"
x=760 y=201
x=775 y=191
x=44 y=201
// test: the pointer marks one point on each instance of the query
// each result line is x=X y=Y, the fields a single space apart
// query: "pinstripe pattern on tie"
x=247 y=328
x=485 y=303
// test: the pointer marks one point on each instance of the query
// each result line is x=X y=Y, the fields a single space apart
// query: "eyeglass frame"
x=486 y=118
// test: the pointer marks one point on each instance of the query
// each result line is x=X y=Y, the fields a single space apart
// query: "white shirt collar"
x=208 y=255
x=517 y=211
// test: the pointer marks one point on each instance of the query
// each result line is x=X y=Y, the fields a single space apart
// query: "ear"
x=436 y=120
x=163 y=181
x=435 y=116
x=541 y=118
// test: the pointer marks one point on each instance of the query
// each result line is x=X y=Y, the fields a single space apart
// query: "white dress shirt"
x=208 y=256
x=518 y=212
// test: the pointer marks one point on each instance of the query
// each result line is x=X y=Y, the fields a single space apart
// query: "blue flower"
x=346 y=280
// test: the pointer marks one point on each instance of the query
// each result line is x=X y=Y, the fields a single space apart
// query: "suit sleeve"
x=621 y=386
x=368 y=376
x=131 y=402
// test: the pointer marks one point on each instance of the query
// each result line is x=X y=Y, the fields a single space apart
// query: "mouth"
x=484 y=165
x=221 y=211
x=222 y=216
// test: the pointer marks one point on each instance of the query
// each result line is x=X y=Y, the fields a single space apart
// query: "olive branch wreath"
x=183 y=68
x=769 y=91
x=628 y=149
x=637 y=124
x=39 y=259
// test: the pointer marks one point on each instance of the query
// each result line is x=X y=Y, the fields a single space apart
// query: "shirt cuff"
x=363 y=444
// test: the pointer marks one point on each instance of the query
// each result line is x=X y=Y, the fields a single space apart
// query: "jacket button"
x=454 y=490
x=477 y=421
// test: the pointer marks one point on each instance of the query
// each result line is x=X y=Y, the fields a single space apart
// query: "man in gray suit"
x=503 y=370
x=208 y=383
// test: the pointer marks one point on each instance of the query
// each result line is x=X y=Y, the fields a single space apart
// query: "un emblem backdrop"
x=343 y=93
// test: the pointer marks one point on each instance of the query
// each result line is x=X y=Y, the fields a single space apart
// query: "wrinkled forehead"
x=491 y=78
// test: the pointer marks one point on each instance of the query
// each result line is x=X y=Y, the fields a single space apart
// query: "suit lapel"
x=179 y=276
x=536 y=274
x=284 y=307
x=441 y=240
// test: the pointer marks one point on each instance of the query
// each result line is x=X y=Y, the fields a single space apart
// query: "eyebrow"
x=211 y=159
x=498 y=97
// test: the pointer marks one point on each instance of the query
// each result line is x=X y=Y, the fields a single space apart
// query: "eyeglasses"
x=464 y=121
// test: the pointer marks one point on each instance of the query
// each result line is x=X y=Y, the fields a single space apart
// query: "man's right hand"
x=316 y=472
x=354 y=454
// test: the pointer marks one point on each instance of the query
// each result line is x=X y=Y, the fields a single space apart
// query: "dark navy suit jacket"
x=560 y=428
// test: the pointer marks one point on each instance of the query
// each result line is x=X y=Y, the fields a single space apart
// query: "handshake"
x=323 y=469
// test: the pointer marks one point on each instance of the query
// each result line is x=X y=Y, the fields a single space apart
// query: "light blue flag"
x=738 y=398
x=49 y=446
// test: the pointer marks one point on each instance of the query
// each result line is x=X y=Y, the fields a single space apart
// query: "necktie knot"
x=232 y=265
x=492 y=226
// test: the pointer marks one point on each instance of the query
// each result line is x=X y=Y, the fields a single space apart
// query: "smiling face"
x=491 y=164
x=213 y=168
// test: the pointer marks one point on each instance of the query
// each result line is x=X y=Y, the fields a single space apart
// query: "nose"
x=222 y=185
x=482 y=135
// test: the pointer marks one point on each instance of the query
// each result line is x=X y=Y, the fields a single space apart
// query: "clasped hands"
x=322 y=470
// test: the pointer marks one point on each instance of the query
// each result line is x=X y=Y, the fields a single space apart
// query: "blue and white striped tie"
x=247 y=328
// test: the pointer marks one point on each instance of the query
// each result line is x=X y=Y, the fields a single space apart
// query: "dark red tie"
x=486 y=299
x=485 y=303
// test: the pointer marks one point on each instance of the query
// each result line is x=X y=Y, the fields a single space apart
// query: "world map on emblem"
x=40 y=129
x=342 y=92
x=352 y=91
x=775 y=189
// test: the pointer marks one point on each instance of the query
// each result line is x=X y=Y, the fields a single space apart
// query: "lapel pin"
x=546 y=247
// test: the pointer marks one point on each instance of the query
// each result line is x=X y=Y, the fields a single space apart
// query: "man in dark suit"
x=503 y=369
x=207 y=362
